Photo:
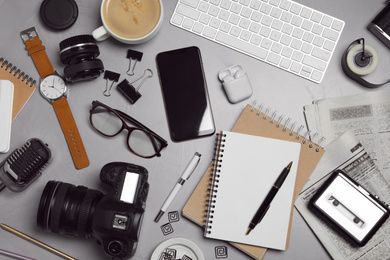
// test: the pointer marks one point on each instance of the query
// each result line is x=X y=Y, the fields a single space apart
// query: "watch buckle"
x=28 y=34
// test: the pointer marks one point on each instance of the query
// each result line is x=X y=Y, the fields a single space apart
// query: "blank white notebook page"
x=250 y=166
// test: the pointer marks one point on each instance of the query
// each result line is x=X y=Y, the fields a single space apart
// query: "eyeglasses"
x=140 y=140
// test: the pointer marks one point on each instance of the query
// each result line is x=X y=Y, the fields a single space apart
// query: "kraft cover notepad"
x=24 y=85
x=245 y=169
x=253 y=122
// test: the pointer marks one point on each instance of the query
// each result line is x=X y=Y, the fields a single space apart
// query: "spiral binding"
x=286 y=128
x=7 y=66
x=213 y=181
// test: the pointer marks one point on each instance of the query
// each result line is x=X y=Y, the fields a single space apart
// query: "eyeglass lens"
x=108 y=123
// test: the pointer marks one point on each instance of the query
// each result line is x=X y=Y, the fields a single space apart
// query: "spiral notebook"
x=245 y=168
x=24 y=85
x=254 y=122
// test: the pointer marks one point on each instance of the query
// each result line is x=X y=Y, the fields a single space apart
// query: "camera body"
x=113 y=219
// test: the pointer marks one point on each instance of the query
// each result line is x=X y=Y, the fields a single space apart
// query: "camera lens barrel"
x=66 y=209
x=80 y=53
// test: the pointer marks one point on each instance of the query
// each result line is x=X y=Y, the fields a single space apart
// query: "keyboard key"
x=337 y=25
x=209 y=32
x=287 y=52
x=328 y=45
x=256 y=39
x=266 y=43
x=296 y=67
x=205 y=19
x=330 y=34
x=295 y=8
x=254 y=27
x=316 y=75
x=318 y=41
x=245 y=35
x=306 y=13
x=256 y=17
x=286 y=17
x=265 y=8
x=326 y=21
x=177 y=19
x=316 y=17
x=213 y=11
x=192 y=3
x=244 y=23
x=215 y=23
x=246 y=12
x=314 y=63
x=306 y=71
x=224 y=15
x=236 y=8
x=266 y=20
x=246 y=47
x=265 y=31
x=285 y=63
x=276 y=47
x=188 y=12
x=273 y=58
x=235 y=31
x=204 y=7
x=255 y=4
x=225 y=27
x=188 y=23
x=198 y=28
x=225 y=4
x=285 y=5
x=286 y=40
x=321 y=54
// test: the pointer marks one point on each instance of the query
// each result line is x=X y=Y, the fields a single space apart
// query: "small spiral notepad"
x=255 y=120
x=24 y=85
x=244 y=170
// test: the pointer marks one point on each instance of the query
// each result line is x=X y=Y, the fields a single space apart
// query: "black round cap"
x=59 y=14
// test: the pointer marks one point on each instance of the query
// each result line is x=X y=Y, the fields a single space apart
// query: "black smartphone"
x=185 y=94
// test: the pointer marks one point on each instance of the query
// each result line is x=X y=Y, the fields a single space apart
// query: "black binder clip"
x=131 y=93
x=110 y=76
x=133 y=56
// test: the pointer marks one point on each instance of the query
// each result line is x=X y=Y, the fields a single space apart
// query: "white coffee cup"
x=129 y=21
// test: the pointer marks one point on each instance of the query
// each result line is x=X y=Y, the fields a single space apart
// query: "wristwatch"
x=53 y=88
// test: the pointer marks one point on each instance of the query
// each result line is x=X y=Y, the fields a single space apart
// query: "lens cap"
x=59 y=14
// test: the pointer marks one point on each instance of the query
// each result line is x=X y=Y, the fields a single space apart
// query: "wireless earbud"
x=235 y=83
x=239 y=74
x=228 y=78
x=359 y=60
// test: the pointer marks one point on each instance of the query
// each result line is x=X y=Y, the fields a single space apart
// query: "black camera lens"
x=80 y=54
x=66 y=209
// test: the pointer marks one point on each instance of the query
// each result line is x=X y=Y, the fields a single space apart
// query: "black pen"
x=267 y=201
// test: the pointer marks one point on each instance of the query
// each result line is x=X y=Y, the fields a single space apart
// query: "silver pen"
x=185 y=176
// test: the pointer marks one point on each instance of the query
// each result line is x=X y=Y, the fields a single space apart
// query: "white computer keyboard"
x=288 y=35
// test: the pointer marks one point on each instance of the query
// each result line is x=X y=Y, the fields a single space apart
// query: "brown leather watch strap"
x=72 y=135
x=37 y=52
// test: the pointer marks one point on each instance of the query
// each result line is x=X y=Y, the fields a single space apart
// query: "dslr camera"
x=113 y=219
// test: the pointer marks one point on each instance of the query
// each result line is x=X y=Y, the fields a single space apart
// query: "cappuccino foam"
x=131 y=18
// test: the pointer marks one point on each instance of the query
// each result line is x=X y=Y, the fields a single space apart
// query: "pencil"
x=36 y=242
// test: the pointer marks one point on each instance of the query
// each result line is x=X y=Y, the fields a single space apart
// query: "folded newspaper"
x=348 y=154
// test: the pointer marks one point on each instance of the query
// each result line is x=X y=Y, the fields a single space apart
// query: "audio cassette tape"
x=349 y=208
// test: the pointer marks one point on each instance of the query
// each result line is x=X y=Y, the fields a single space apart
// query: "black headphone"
x=358 y=60
x=79 y=53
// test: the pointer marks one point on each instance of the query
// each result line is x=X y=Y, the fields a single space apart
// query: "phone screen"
x=185 y=94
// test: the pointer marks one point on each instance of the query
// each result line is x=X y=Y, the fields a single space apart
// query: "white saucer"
x=182 y=246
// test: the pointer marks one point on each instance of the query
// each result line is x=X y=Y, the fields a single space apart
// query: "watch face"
x=52 y=87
